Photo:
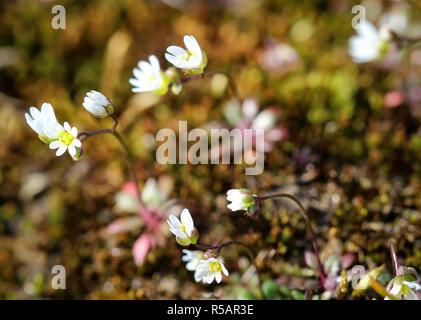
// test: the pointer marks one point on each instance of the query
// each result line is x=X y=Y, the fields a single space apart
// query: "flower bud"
x=176 y=88
x=98 y=104
x=243 y=199
x=172 y=74
x=79 y=154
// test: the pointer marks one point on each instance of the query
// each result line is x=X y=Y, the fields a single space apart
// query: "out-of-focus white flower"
x=369 y=44
x=98 y=104
x=149 y=77
x=193 y=60
x=241 y=199
x=403 y=289
x=278 y=57
x=248 y=117
x=264 y=120
x=44 y=122
x=395 y=20
x=184 y=230
x=210 y=269
x=66 y=140
x=151 y=194
x=192 y=258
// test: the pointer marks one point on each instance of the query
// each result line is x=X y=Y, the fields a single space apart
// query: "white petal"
x=187 y=220
x=154 y=62
x=191 y=266
x=176 y=51
x=77 y=143
x=210 y=278
x=72 y=150
x=224 y=270
x=174 y=222
x=61 y=150
x=48 y=111
x=67 y=126
x=31 y=123
x=73 y=132
x=35 y=113
x=192 y=45
x=54 y=145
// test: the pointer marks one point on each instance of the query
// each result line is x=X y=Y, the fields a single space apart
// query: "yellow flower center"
x=152 y=79
x=65 y=138
x=187 y=55
x=215 y=267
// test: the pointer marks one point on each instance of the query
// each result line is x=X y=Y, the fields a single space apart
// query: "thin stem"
x=85 y=135
x=249 y=252
x=309 y=227
x=395 y=261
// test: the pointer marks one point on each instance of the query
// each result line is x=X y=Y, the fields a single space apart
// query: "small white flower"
x=44 y=122
x=241 y=199
x=184 y=230
x=98 y=104
x=404 y=290
x=370 y=44
x=192 y=258
x=149 y=77
x=210 y=269
x=66 y=140
x=192 y=60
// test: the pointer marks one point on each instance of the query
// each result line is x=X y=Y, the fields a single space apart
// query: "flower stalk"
x=308 y=224
x=395 y=261
x=85 y=135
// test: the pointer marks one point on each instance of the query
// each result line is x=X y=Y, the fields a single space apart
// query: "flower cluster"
x=64 y=137
x=148 y=76
x=205 y=265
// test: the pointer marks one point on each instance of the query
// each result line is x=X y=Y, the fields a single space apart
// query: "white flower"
x=404 y=290
x=241 y=199
x=98 y=104
x=151 y=194
x=210 y=269
x=66 y=140
x=192 y=60
x=192 y=258
x=184 y=230
x=44 y=122
x=149 y=77
x=370 y=44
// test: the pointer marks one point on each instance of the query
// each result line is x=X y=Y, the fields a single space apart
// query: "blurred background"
x=350 y=147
